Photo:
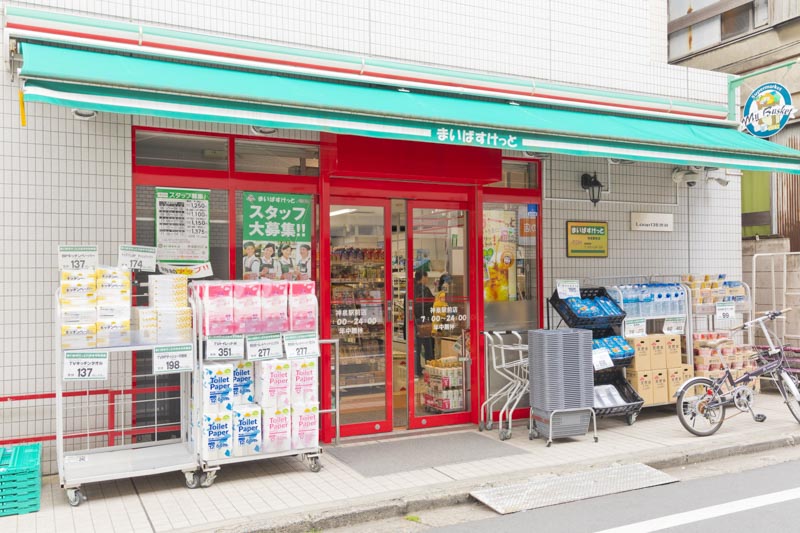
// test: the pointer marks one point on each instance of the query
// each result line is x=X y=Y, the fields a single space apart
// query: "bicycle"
x=701 y=401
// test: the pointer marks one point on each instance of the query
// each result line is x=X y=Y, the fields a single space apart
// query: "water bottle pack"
x=600 y=306
x=617 y=346
x=653 y=299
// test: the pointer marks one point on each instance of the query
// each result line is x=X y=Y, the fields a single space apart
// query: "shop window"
x=173 y=150
x=519 y=175
x=277 y=158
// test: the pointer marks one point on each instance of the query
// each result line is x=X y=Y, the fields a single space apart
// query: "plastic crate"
x=574 y=321
x=20 y=479
x=625 y=390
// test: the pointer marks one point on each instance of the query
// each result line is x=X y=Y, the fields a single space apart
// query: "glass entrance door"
x=360 y=297
x=438 y=314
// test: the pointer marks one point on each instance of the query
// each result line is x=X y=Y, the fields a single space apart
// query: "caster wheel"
x=207 y=479
x=315 y=465
x=596 y=439
x=481 y=426
x=505 y=434
x=631 y=418
x=193 y=479
x=533 y=434
x=488 y=426
x=75 y=497
x=549 y=443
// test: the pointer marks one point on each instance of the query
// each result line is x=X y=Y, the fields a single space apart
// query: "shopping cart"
x=509 y=359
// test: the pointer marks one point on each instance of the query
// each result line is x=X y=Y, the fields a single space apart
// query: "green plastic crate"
x=20 y=479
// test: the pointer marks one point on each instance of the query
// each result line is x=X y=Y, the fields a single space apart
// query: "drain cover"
x=552 y=490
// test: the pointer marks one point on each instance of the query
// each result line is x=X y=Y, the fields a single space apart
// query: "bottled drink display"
x=652 y=299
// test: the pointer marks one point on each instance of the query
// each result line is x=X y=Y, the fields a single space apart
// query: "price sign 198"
x=171 y=359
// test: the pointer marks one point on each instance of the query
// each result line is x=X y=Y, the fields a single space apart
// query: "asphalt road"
x=763 y=499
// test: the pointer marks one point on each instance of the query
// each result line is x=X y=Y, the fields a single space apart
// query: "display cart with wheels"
x=206 y=469
x=114 y=419
x=509 y=359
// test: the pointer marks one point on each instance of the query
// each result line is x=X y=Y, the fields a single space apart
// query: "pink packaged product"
x=274 y=306
x=247 y=307
x=302 y=306
x=217 y=297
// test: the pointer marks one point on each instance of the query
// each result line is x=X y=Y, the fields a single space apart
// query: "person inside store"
x=268 y=263
x=423 y=327
x=286 y=262
x=251 y=265
x=304 y=263
x=439 y=308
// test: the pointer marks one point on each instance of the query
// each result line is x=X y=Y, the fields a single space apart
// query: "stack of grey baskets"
x=561 y=377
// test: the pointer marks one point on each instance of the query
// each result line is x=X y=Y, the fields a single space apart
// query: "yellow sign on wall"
x=587 y=239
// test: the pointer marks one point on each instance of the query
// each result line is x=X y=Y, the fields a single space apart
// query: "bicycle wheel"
x=786 y=384
x=693 y=407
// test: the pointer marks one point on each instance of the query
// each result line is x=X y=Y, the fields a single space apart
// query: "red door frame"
x=436 y=420
x=385 y=425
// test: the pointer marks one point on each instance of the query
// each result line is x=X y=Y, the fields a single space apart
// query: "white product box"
x=247 y=437
x=168 y=290
x=216 y=436
x=277 y=430
x=273 y=384
x=113 y=312
x=78 y=315
x=305 y=381
x=144 y=322
x=217 y=387
x=113 y=333
x=243 y=382
x=77 y=336
x=305 y=426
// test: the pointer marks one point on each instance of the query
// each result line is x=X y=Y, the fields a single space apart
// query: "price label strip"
x=303 y=344
x=674 y=325
x=172 y=359
x=137 y=257
x=85 y=366
x=568 y=288
x=77 y=257
x=635 y=327
x=726 y=310
x=227 y=347
x=601 y=359
x=264 y=346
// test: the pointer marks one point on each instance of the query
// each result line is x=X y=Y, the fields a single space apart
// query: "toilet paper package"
x=217 y=387
x=243 y=382
x=304 y=381
x=302 y=306
x=247 y=306
x=217 y=300
x=277 y=430
x=273 y=384
x=305 y=426
x=247 y=430
x=216 y=436
x=274 y=306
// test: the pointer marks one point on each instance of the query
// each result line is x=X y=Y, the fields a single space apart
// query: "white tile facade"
x=69 y=181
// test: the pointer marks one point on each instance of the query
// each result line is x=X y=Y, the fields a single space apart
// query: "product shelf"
x=574 y=321
x=212 y=463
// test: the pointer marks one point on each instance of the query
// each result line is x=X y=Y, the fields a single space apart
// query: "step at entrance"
x=553 y=490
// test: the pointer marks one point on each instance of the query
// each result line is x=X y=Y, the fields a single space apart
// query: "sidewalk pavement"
x=283 y=495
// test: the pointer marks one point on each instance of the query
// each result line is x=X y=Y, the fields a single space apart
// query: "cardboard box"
x=672 y=350
x=658 y=354
x=660 y=386
x=642 y=383
x=688 y=372
x=674 y=381
x=641 y=359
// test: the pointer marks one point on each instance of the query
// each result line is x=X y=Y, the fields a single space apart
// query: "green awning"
x=142 y=86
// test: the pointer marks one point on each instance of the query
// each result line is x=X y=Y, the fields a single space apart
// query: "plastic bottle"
x=680 y=300
x=668 y=307
x=645 y=300
x=630 y=298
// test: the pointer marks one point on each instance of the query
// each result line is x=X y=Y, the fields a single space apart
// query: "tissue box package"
x=247 y=431
x=78 y=315
x=113 y=333
x=77 y=336
x=168 y=290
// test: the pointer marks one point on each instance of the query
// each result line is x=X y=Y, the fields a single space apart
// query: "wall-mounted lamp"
x=721 y=181
x=84 y=114
x=593 y=186
x=262 y=130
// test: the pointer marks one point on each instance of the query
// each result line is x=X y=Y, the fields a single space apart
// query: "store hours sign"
x=182 y=225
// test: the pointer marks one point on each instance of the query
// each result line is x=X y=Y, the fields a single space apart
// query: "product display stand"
x=208 y=468
x=93 y=462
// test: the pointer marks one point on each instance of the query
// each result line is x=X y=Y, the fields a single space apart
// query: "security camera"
x=685 y=176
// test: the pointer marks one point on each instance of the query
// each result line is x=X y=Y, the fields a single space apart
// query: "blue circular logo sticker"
x=767 y=110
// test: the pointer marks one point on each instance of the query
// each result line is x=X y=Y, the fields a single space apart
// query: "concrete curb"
x=351 y=512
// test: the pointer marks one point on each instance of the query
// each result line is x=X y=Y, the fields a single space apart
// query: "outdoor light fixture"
x=84 y=114
x=591 y=184
x=721 y=181
x=262 y=130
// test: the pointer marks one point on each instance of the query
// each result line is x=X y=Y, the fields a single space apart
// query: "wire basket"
x=574 y=321
x=634 y=401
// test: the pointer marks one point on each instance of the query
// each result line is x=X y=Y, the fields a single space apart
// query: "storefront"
x=409 y=172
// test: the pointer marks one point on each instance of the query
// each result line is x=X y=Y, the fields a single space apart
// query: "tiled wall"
x=69 y=181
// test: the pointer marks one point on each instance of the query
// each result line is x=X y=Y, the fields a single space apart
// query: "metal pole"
x=335 y=410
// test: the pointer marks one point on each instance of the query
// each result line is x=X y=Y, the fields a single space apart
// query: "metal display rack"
x=208 y=468
x=109 y=452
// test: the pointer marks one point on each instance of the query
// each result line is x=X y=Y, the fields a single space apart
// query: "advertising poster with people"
x=276 y=240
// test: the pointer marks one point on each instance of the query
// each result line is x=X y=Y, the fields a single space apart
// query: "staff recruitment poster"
x=276 y=240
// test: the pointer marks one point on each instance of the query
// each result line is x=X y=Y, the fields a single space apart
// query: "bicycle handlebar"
x=769 y=315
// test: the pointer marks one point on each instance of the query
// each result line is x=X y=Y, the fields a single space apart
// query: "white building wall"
x=69 y=181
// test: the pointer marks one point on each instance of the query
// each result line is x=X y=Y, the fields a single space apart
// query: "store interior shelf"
x=656 y=317
x=362 y=385
x=139 y=347
x=118 y=463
